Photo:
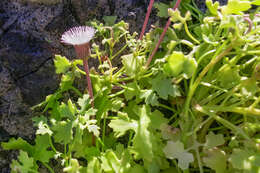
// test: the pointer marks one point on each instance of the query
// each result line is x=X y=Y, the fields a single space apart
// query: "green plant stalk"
x=189 y=34
x=48 y=167
x=120 y=51
x=241 y=110
x=117 y=94
x=51 y=144
x=198 y=155
x=76 y=91
x=255 y=103
x=104 y=131
x=130 y=138
x=166 y=107
x=194 y=86
x=222 y=121
x=205 y=130
x=66 y=157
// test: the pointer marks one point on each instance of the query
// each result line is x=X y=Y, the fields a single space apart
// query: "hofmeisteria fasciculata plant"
x=79 y=37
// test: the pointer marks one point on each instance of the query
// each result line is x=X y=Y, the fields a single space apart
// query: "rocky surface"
x=29 y=37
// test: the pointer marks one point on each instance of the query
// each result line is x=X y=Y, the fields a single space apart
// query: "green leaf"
x=66 y=81
x=157 y=119
x=164 y=87
x=213 y=140
x=256 y=2
x=84 y=102
x=92 y=128
x=18 y=144
x=62 y=64
x=122 y=124
x=74 y=167
x=177 y=63
x=24 y=165
x=249 y=87
x=41 y=151
x=112 y=163
x=245 y=160
x=65 y=111
x=137 y=168
x=213 y=8
x=149 y=97
x=236 y=7
x=216 y=159
x=142 y=141
x=117 y=104
x=229 y=77
x=132 y=64
x=94 y=166
x=174 y=65
x=175 y=150
x=189 y=67
x=131 y=90
x=109 y=20
x=63 y=132
x=162 y=9
x=43 y=127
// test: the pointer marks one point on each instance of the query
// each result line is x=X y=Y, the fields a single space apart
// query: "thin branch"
x=146 y=18
x=161 y=37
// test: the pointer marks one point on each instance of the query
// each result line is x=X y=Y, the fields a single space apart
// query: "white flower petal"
x=78 y=35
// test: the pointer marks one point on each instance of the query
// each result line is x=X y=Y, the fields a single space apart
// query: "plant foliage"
x=194 y=109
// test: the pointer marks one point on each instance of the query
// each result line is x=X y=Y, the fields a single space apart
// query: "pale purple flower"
x=78 y=35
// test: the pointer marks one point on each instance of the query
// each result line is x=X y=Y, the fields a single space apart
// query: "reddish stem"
x=83 y=52
x=90 y=91
x=146 y=18
x=161 y=37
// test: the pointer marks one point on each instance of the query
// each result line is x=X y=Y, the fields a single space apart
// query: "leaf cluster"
x=194 y=109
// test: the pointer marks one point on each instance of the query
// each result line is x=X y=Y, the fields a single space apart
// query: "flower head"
x=78 y=35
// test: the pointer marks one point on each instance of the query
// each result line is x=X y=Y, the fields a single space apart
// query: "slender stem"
x=201 y=75
x=189 y=34
x=211 y=64
x=241 y=110
x=104 y=130
x=198 y=155
x=76 y=91
x=166 y=107
x=161 y=37
x=120 y=51
x=224 y=122
x=48 y=167
x=51 y=144
x=146 y=18
x=90 y=91
x=130 y=138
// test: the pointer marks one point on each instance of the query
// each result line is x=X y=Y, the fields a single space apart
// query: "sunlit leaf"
x=61 y=63
x=236 y=6
x=164 y=87
x=122 y=124
x=74 y=167
x=213 y=140
x=175 y=150
x=24 y=165
x=213 y=8
x=216 y=159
